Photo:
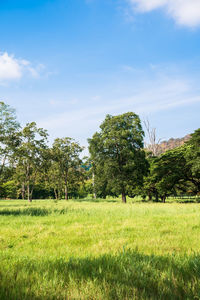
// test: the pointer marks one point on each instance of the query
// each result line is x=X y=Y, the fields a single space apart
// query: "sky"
x=65 y=64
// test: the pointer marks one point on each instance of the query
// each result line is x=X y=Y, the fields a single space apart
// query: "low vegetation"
x=99 y=250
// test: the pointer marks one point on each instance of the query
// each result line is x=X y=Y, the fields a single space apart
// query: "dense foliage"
x=118 y=163
x=118 y=156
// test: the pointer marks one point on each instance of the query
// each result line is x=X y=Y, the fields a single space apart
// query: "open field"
x=102 y=250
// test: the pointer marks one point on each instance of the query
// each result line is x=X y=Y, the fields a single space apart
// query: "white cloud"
x=12 y=68
x=184 y=12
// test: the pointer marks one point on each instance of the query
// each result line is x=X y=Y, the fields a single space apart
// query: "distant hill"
x=171 y=144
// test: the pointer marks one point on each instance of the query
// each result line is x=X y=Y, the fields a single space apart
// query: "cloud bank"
x=184 y=12
x=12 y=68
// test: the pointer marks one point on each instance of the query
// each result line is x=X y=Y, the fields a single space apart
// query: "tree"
x=29 y=157
x=66 y=164
x=192 y=157
x=153 y=145
x=117 y=154
x=9 y=134
x=172 y=172
x=148 y=189
x=54 y=178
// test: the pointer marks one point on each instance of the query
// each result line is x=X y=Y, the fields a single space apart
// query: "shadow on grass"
x=189 y=201
x=30 y=211
x=95 y=200
x=128 y=275
x=194 y=199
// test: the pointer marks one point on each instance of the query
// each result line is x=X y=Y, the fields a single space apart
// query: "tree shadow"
x=95 y=200
x=33 y=211
x=189 y=201
x=128 y=275
x=29 y=211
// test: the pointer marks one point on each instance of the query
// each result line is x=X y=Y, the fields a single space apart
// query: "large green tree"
x=30 y=157
x=169 y=171
x=9 y=135
x=117 y=154
x=65 y=171
x=175 y=171
x=192 y=156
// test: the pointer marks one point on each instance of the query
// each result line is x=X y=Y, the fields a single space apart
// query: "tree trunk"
x=28 y=184
x=65 y=187
x=93 y=183
x=30 y=198
x=156 y=197
x=23 y=191
x=163 y=198
x=66 y=192
x=28 y=192
x=56 y=194
x=31 y=194
x=123 y=197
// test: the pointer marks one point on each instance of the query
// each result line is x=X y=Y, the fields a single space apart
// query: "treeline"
x=118 y=163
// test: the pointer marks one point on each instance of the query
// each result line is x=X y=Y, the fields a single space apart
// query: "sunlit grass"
x=99 y=250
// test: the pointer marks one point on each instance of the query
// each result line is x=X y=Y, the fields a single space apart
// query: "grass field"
x=99 y=250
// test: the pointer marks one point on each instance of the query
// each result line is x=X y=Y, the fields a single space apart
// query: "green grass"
x=99 y=250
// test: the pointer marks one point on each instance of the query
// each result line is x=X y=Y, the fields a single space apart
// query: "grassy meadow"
x=99 y=250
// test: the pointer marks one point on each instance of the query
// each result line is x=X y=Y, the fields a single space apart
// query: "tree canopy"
x=117 y=154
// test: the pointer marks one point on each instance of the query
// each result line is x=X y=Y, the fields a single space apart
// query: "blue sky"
x=67 y=63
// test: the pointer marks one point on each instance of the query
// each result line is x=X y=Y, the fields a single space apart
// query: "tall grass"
x=105 y=250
